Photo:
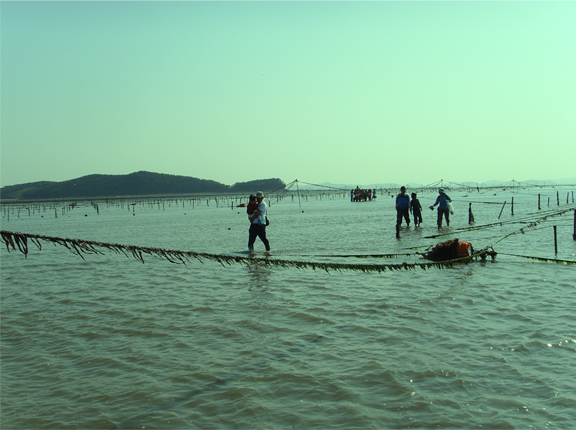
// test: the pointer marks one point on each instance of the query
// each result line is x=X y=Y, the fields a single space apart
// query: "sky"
x=340 y=92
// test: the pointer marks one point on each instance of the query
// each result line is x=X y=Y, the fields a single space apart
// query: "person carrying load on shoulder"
x=443 y=208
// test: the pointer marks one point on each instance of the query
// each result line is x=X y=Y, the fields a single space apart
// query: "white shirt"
x=261 y=219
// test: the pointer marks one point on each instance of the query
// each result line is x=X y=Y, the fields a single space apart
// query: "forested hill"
x=133 y=184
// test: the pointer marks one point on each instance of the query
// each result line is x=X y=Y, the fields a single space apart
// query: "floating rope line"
x=368 y=255
x=530 y=220
x=79 y=247
x=324 y=186
x=551 y=260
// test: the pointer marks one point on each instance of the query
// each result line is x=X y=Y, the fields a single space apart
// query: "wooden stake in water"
x=501 y=210
x=538 y=201
x=512 y=207
x=555 y=242
x=574 y=234
x=298 y=191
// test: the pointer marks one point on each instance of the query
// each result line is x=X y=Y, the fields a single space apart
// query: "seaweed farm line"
x=104 y=341
x=60 y=207
x=233 y=200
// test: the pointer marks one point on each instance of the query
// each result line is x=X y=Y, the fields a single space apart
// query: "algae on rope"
x=14 y=240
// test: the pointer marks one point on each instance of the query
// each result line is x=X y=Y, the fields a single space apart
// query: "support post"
x=501 y=210
x=538 y=201
x=512 y=207
x=298 y=191
x=555 y=242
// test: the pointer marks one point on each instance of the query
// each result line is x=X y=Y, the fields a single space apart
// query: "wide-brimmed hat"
x=259 y=195
x=441 y=190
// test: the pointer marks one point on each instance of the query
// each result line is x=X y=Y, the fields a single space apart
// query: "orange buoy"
x=463 y=249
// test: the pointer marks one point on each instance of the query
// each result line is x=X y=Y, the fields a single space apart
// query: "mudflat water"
x=108 y=342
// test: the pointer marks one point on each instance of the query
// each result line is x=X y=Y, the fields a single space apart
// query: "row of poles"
x=235 y=201
x=471 y=217
x=471 y=221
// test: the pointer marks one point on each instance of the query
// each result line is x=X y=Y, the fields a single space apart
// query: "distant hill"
x=133 y=184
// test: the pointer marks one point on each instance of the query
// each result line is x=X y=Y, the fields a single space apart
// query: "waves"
x=113 y=343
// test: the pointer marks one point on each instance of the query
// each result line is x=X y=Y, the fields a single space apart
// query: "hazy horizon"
x=556 y=181
x=341 y=92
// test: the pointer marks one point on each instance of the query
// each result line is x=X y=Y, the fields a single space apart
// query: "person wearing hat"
x=258 y=224
x=443 y=208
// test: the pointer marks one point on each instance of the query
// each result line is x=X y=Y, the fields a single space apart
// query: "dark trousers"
x=417 y=217
x=257 y=230
x=402 y=213
x=446 y=213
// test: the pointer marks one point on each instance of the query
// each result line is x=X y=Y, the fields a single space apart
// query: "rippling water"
x=110 y=342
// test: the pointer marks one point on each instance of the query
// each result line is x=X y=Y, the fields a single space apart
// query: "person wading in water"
x=258 y=225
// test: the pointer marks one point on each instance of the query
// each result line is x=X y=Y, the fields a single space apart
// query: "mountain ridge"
x=143 y=183
x=140 y=183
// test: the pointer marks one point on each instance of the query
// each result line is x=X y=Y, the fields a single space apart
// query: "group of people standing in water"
x=405 y=207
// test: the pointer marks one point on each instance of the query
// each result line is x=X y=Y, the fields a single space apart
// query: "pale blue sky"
x=341 y=92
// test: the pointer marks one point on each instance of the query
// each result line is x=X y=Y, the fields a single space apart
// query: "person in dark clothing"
x=402 y=208
x=416 y=209
x=443 y=208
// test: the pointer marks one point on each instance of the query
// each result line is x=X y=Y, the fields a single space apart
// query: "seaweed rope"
x=530 y=221
x=19 y=241
x=16 y=240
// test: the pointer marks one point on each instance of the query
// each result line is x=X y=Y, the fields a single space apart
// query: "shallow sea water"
x=109 y=342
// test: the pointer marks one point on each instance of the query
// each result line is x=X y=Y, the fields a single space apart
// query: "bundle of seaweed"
x=443 y=251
